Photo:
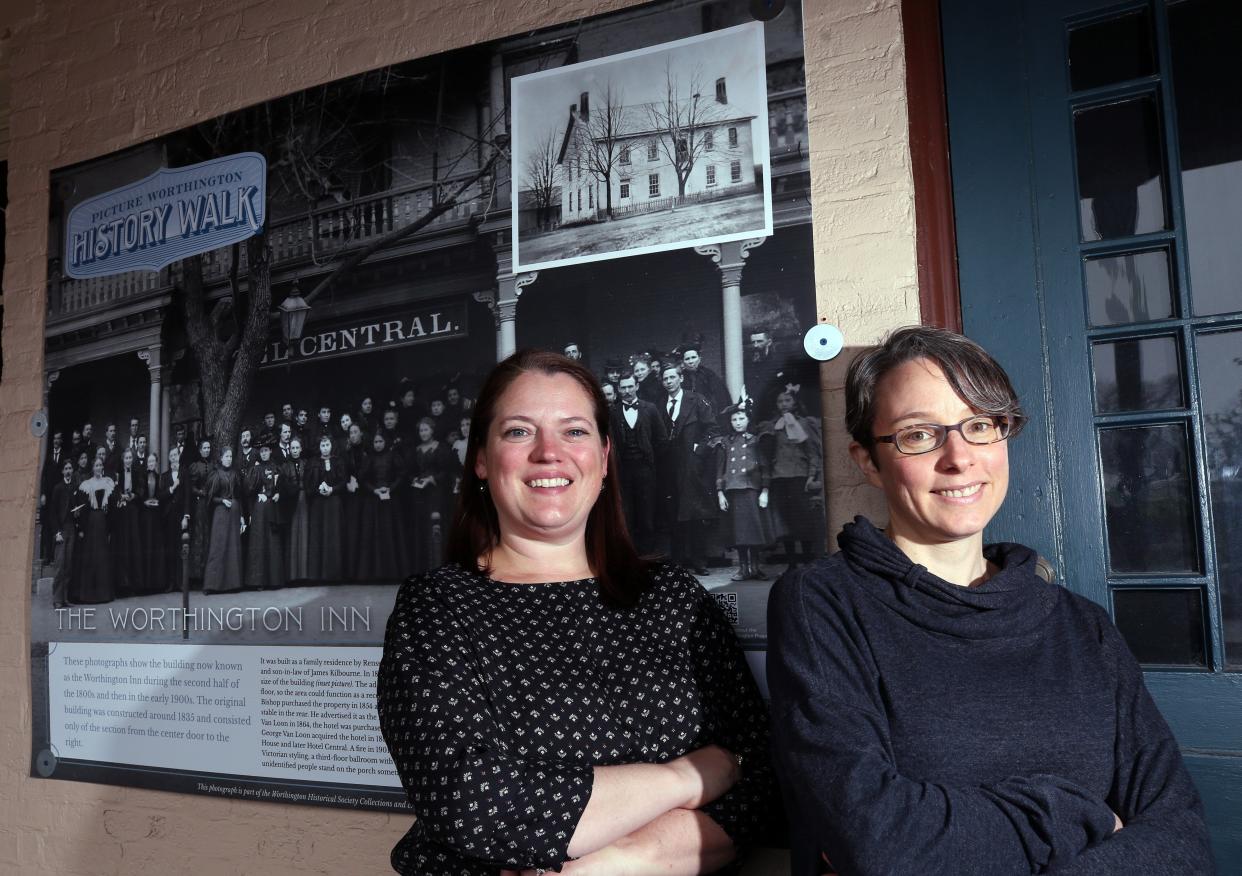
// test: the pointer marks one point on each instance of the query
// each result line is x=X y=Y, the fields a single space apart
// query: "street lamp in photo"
x=293 y=311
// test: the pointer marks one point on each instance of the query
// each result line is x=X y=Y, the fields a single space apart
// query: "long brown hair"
x=621 y=573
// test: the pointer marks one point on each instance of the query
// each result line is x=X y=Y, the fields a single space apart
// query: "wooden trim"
x=939 y=298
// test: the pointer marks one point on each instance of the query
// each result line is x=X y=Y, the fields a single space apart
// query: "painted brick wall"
x=90 y=78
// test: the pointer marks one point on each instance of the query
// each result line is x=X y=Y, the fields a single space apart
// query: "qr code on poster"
x=728 y=604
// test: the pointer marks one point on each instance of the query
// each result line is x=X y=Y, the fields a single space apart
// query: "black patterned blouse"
x=496 y=700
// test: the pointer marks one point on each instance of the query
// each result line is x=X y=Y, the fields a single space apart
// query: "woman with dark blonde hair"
x=551 y=700
x=939 y=705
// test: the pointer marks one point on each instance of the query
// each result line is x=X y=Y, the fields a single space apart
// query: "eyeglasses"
x=979 y=429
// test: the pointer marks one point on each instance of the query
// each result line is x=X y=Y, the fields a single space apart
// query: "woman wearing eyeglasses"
x=939 y=707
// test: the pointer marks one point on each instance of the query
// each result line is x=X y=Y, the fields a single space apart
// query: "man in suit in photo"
x=132 y=441
x=638 y=434
x=113 y=450
x=48 y=478
x=688 y=475
x=179 y=440
x=283 y=450
x=61 y=522
x=85 y=444
x=247 y=455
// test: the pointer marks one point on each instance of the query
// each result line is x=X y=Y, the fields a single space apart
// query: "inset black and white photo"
x=650 y=150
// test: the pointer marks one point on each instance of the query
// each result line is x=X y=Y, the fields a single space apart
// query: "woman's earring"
x=483 y=486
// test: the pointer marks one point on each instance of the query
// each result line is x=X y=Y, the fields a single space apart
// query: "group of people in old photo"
x=701 y=470
x=311 y=494
x=355 y=496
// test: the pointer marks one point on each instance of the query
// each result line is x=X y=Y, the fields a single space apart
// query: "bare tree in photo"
x=683 y=121
x=311 y=141
x=602 y=133
x=541 y=173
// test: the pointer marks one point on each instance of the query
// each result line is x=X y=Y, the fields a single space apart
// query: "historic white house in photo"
x=650 y=156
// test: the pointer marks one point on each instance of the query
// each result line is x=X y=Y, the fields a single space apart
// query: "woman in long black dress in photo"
x=355 y=458
x=83 y=469
x=200 y=512
x=367 y=416
x=391 y=429
x=265 y=556
x=151 y=527
x=295 y=510
x=175 y=515
x=382 y=554
x=430 y=480
x=325 y=483
x=225 y=492
x=95 y=568
x=126 y=528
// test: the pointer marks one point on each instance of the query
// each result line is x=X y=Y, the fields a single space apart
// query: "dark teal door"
x=1097 y=174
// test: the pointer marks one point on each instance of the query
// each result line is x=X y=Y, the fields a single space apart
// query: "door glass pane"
x=1205 y=37
x=1111 y=51
x=1149 y=504
x=1162 y=626
x=1220 y=387
x=1129 y=288
x=1120 y=169
x=1137 y=374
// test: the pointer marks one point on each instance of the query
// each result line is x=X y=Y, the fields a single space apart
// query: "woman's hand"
x=708 y=773
x=680 y=842
x=227 y=503
x=724 y=500
x=1118 y=824
x=763 y=498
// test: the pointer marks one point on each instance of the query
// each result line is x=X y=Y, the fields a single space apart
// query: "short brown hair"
x=621 y=573
x=975 y=376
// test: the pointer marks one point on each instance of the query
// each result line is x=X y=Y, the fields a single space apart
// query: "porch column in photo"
x=503 y=302
x=730 y=258
x=165 y=419
x=151 y=356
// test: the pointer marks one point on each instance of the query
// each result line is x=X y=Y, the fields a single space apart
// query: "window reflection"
x=1137 y=374
x=1111 y=51
x=1220 y=371
x=1162 y=627
x=1120 y=169
x=1205 y=35
x=1149 y=504
x=1129 y=288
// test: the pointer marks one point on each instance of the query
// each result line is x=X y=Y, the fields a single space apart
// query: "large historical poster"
x=265 y=332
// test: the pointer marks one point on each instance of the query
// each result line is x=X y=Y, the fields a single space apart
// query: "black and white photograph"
x=253 y=446
x=648 y=150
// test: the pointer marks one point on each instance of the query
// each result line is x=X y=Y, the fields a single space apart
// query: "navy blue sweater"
x=922 y=728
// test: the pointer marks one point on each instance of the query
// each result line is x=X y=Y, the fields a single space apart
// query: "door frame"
x=935 y=229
